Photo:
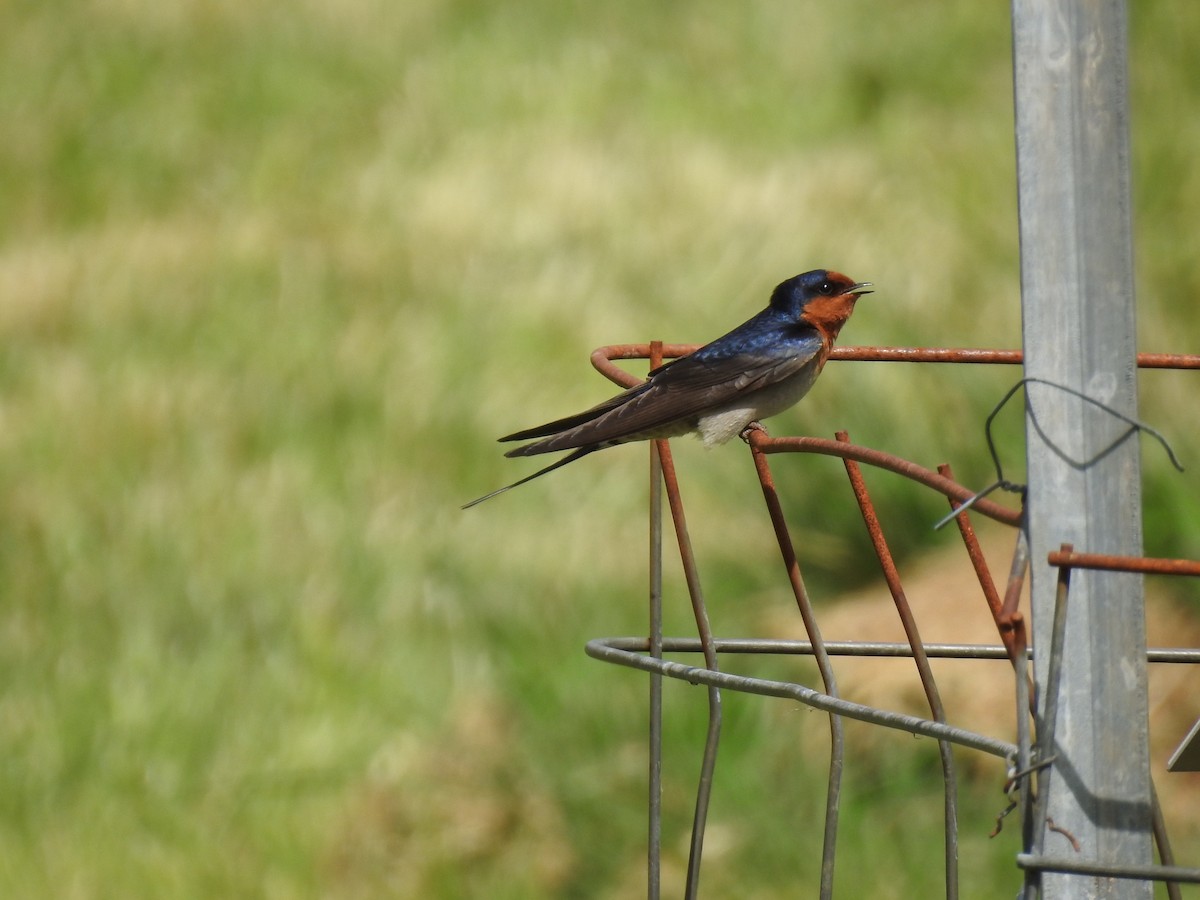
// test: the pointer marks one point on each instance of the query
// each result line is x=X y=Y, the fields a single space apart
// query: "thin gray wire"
x=1002 y=483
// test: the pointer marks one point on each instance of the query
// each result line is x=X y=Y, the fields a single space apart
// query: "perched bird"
x=761 y=368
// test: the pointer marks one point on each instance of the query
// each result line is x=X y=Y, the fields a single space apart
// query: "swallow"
x=758 y=370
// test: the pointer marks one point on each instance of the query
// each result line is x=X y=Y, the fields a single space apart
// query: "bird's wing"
x=587 y=415
x=678 y=392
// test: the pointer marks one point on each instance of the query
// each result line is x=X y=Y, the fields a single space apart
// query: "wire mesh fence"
x=1029 y=754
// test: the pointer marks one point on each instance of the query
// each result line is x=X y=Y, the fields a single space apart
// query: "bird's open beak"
x=856 y=288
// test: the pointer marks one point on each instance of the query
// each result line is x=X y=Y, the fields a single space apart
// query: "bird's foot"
x=751 y=428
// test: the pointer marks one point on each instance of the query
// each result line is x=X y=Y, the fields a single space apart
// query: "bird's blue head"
x=821 y=298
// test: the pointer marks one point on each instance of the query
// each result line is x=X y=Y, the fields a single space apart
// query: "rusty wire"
x=704 y=630
x=891 y=575
x=1028 y=759
x=828 y=679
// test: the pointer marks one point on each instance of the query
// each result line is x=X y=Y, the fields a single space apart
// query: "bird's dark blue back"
x=779 y=328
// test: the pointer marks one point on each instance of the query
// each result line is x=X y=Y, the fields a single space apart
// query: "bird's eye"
x=827 y=288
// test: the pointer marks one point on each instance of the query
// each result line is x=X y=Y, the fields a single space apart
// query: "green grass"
x=273 y=278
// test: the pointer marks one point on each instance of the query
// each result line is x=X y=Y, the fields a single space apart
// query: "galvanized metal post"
x=1083 y=464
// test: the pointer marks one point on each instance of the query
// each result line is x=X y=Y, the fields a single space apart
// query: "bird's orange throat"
x=829 y=314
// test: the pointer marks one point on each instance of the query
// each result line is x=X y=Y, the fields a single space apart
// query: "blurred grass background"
x=272 y=279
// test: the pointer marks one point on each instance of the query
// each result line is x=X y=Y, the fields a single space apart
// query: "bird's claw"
x=751 y=428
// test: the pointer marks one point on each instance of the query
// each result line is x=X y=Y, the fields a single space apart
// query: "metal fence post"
x=1084 y=474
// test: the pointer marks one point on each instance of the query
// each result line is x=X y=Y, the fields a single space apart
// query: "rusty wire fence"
x=1028 y=762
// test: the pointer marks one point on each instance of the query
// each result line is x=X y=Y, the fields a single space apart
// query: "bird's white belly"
x=728 y=422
